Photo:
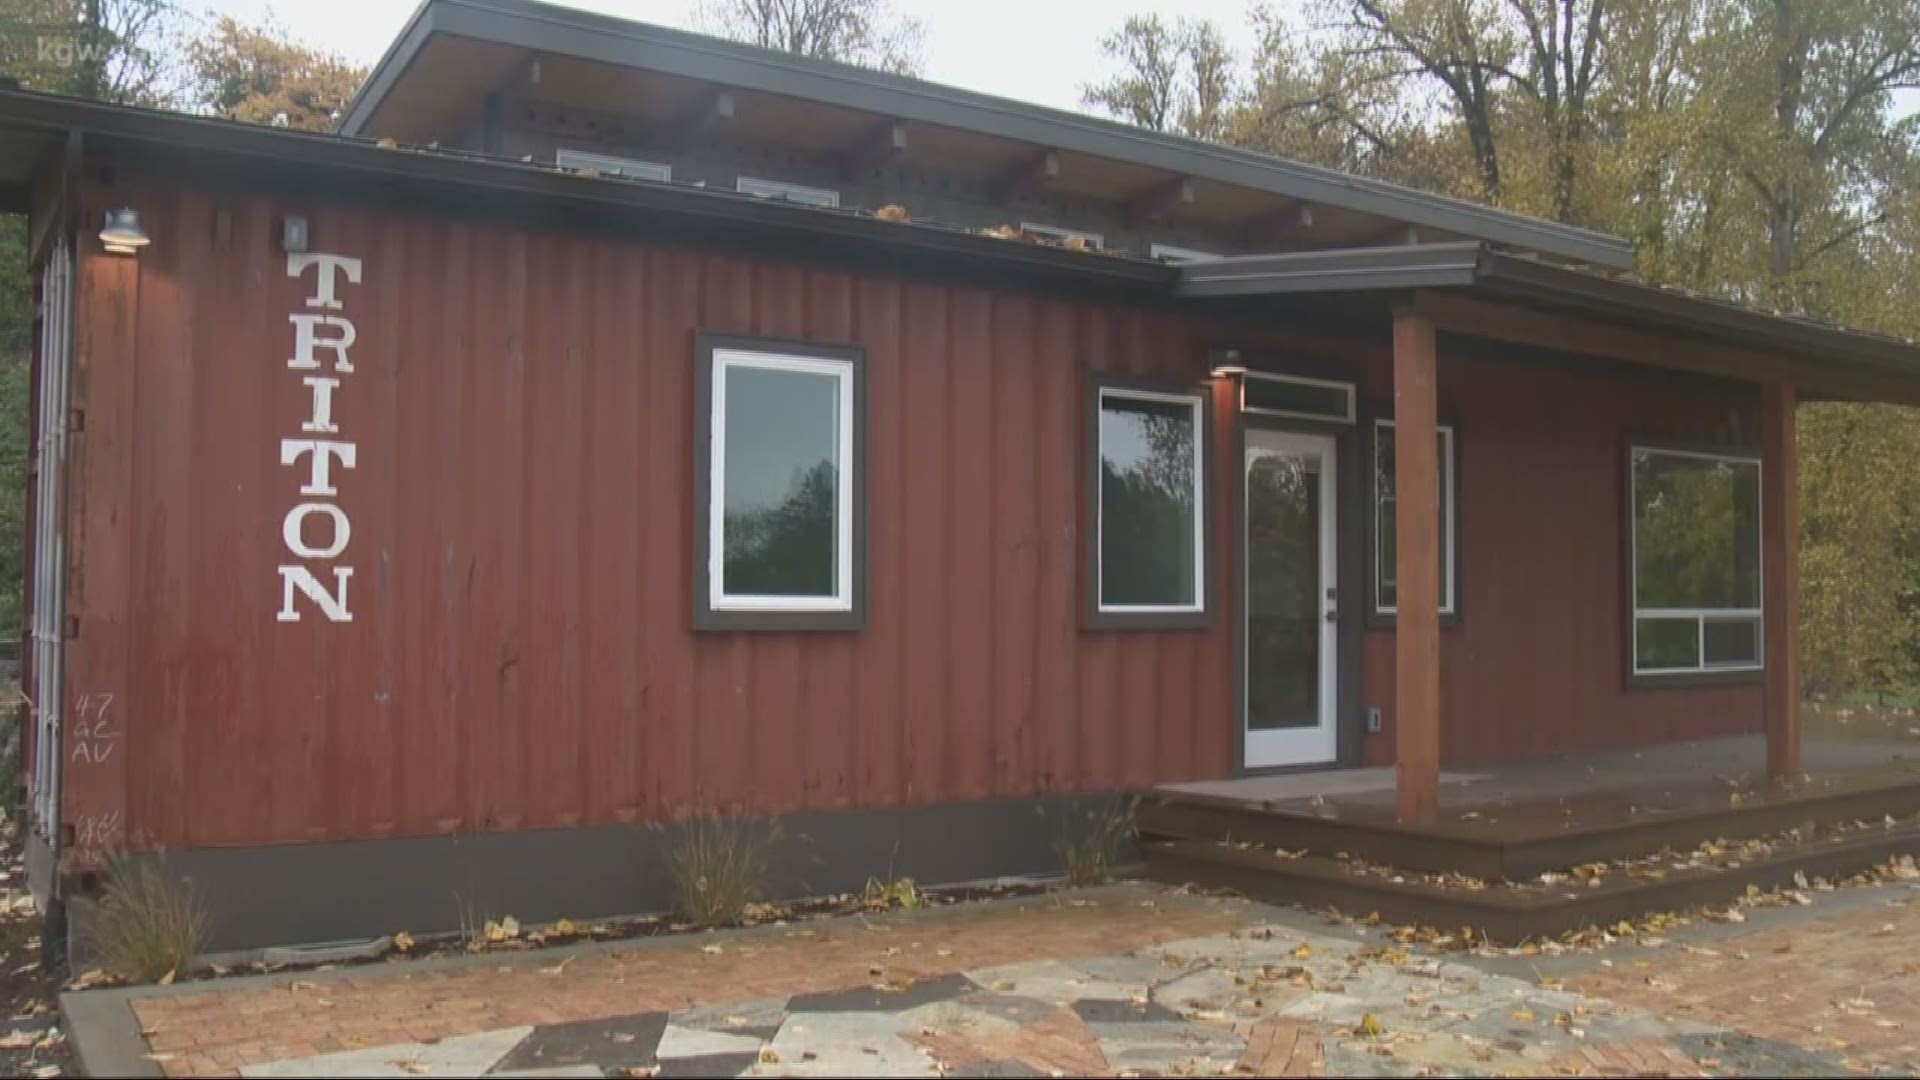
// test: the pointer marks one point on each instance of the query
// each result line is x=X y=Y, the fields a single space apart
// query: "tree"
x=1176 y=77
x=255 y=73
x=867 y=32
x=111 y=50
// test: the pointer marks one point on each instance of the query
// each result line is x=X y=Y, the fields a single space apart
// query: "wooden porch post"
x=1780 y=572
x=1416 y=524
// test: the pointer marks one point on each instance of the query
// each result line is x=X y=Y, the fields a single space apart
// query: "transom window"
x=1149 y=519
x=781 y=483
x=607 y=165
x=780 y=189
x=1386 y=538
x=1695 y=561
x=1291 y=395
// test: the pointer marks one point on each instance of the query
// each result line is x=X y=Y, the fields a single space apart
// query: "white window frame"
x=1095 y=241
x=1171 y=253
x=724 y=361
x=781 y=189
x=1197 y=403
x=1345 y=388
x=607 y=164
x=1701 y=616
x=1450 y=502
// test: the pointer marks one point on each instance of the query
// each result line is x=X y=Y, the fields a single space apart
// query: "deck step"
x=1482 y=848
x=1503 y=913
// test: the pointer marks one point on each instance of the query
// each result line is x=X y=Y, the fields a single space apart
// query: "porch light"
x=122 y=234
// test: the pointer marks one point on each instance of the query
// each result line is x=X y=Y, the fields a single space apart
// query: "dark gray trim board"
x=853 y=476
x=626 y=43
x=1091 y=617
x=283 y=894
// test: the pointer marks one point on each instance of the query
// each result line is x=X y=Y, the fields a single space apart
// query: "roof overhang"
x=1475 y=290
x=410 y=71
x=1467 y=288
x=225 y=154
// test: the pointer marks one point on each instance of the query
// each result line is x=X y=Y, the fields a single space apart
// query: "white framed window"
x=1171 y=254
x=781 y=484
x=1292 y=395
x=1385 y=537
x=1694 y=561
x=1149 y=534
x=1093 y=240
x=780 y=189
x=608 y=165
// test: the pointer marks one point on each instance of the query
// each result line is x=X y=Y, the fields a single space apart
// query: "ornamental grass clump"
x=719 y=867
x=149 y=925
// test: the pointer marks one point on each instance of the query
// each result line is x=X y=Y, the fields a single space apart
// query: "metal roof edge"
x=192 y=138
x=387 y=70
x=1407 y=266
x=534 y=25
x=1677 y=308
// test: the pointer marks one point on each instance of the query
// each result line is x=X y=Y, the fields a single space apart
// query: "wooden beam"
x=1036 y=170
x=1161 y=200
x=1416 y=524
x=879 y=146
x=1780 y=573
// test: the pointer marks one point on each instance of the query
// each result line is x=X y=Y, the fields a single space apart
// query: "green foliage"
x=719 y=867
x=1091 y=841
x=255 y=73
x=1751 y=149
x=898 y=892
x=149 y=924
x=16 y=351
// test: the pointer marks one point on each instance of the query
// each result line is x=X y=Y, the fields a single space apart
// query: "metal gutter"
x=287 y=154
x=1421 y=266
x=546 y=28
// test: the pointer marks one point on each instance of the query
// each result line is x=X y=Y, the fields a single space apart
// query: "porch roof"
x=1475 y=289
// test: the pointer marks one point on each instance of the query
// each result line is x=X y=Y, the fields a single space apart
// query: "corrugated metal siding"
x=1535 y=665
x=519 y=654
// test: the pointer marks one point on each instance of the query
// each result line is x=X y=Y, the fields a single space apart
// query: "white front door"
x=1289 y=631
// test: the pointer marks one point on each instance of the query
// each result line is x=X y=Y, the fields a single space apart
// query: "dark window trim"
x=1385 y=620
x=1635 y=679
x=1092 y=618
x=705 y=616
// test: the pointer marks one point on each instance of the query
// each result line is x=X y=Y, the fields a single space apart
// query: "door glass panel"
x=1284 y=592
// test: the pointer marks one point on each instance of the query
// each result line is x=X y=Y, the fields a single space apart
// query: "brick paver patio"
x=1128 y=980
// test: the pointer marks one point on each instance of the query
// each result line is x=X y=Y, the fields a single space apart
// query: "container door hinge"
x=73 y=627
x=79 y=421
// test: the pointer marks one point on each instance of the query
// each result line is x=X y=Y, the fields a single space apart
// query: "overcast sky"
x=1040 y=51
x=1032 y=50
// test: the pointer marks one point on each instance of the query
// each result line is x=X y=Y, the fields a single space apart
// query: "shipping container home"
x=610 y=425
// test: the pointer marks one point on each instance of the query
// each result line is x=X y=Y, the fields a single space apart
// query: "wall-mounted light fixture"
x=121 y=232
x=293 y=233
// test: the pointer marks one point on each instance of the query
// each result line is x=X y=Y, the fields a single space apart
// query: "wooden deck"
x=1508 y=837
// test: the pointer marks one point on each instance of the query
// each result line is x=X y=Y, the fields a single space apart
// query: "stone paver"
x=1142 y=982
